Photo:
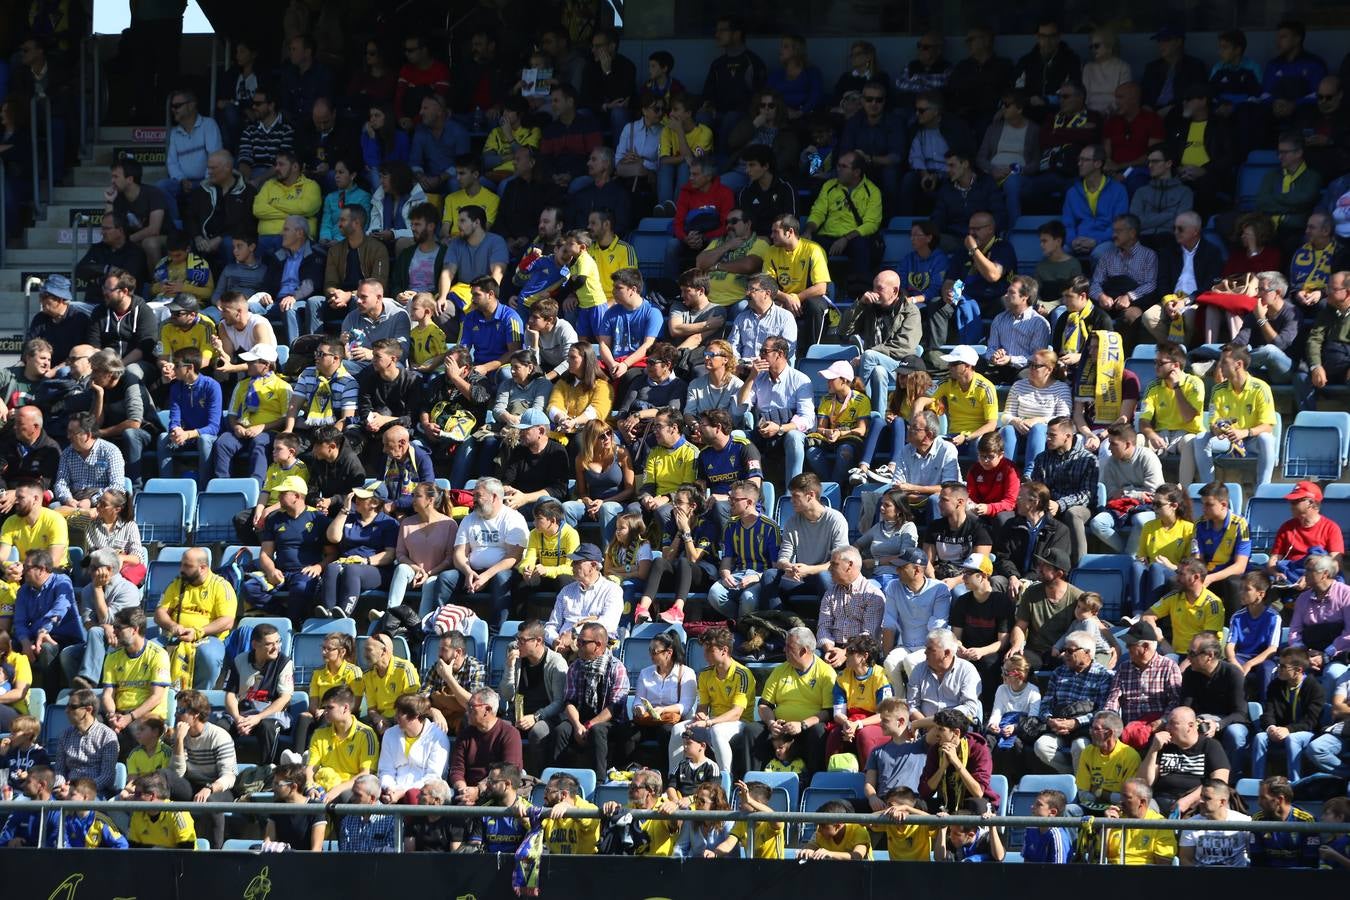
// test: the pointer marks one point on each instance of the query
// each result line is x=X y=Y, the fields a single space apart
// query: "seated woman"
x=1164 y=540
x=841 y=426
x=426 y=540
x=114 y=528
x=667 y=692
x=366 y=538
x=861 y=686
x=913 y=394
x=893 y=534
x=413 y=753
x=338 y=670
x=1033 y=401
x=579 y=396
x=605 y=479
x=688 y=549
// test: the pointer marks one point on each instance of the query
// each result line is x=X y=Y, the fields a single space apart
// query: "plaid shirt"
x=1068 y=686
x=101 y=469
x=89 y=755
x=848 y=610
x=1071 y=477
x=366 y=834
x=1141 y=265
x=617 y=697
x=471 y=677
x=1146 y=693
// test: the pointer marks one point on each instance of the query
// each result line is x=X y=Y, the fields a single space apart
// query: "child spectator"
x=904 y=841
x=660 y=82
x=1052 y=844
x=835 y=841
x=1057 y=269
x=705 y=839
x=628 y=560
x=427 y=339
x=1254 y=635
x=151 y=753
x=755 y=797
x=1335 y=849
x=695 y=768
x=898 y=763
x=20 y=752
x=1085 y=611
x=1291 y=714
x=785 y=758
x=1016 y=699
x=860 y=689
x=964 y=843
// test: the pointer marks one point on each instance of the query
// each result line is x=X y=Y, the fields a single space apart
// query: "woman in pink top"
x=426 y=540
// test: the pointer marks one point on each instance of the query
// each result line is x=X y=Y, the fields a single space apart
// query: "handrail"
x=4 y=234
x=78 y=223
x=400 y=812
x=33 y=134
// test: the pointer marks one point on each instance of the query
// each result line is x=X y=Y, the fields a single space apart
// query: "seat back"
x=1265 y=515
x=651 y=253
x=1110 y=575
x=585 y=777
x=1249 y=182
x=785 y=787
x=501 y=645
x=1313 y=452
x=1235 y=495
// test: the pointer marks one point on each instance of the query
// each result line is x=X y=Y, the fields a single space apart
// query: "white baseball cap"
x=266 y=352
x=962 y=354
x=838 y=369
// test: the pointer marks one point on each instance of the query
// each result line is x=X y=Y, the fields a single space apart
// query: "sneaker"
x=322 y=612
x=642 y=614
x=673 y=616
x=375 y=615
x=291 y=758
x=665 y=209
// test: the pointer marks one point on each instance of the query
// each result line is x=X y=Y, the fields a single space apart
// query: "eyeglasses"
x=181 y=313
x=735 y=220
x=990 y=457
x=1327 y=96
x=591 y=643
x=870 y=98
x=922 y=109
x=179 y=105
x=712 y=354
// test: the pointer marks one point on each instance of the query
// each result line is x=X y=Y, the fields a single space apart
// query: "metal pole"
x=51 y=156
x=215 y=74
x=60 y=829
x=80 y=219
x=398 y=834
x=33 y=133
x=84 y=101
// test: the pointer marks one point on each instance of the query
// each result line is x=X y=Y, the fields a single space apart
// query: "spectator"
x=354 y=260
x=46 y=617
x=300 y=830
x=126 y=324
x=597 y=684
x=1213 y=687
x=488 y=546
x=31 y=526
x=245 y=272
x=1288 y=193
x=89 y=466
x=1321 y=621
x=811 y=535
x=1166 y=77
x=1033 y=401
x=610 y=253
x=412 y=755
x=368 y=833
x=1242 y=417
x=1017 y=333
x=1292 y=67
x=1131 y=474
x=1276 y=799
x=114 y=253
x=106 y=594
x=257 y=410
x=978 y=82
x=846 y=216
x=1077 y=688
x=204 y=757
x=266 y=136
x=1105 y=72
x=88 y=748
x=193 y=413
x=887 y=324
x=287 y=193
x=36 y=829
x=324 y=143
x=1206 y=143
x=1179 y=760
x=748 y=580
x=1107 y=765
x=761 y=320
x=1158 y=202
x=1088 y=222
x=502 y=149
x=325 y=393
x=192 y=140
x=198 y=608
x=1328 y=349
x=347 y=191
x=60 y=324
x=1150 y=685
x=1029 y=534
x=1328 y=753
x=258 y=690
x=964 y=192
x=303 y=79
x=1311 y=265
x=421 y=76
x=163 y=830
x=1065 y=138
x=852 y=607
x=1192 y=608
x=1048 y=65
x=1202 y=847
x=1254 y=633
x=475 y=253
x=1164 y=542
x=242 y=330
x=733 y=75
x=419 y=267
x=765 y=197
x=145 y=209
x=1011 y=149
x=568 y=140
x=984 y=265
x=341 y=750
x=917 y=605
x=1325 y=129
x=796 y=701
x=796 y=79
x=375 y=321
x=878 y=134
x=536 y=468
x=532 y=688
x=943 y=682
x=1235 y=77
x=1046 y=608
x=936 y=135
x=959 y=764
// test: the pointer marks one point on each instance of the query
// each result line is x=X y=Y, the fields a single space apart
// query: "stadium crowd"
x=409 y=317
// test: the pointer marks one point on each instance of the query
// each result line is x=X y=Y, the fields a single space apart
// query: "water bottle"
x=958 y=292
x=813 y=163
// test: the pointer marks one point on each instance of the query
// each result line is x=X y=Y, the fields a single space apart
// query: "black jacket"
x=1189 y=71
x=40 y=461
x=400 y=398
x=522 y=202
x=1218 y=143
x=100 y=258
x=1208 y=266
x=1221 y=694
x=1039 y=76
x=1012 y=540
x=1302 y=712
x=211 y=212
x=137 y=330
x=546 y=472
x=954 y=207
x=311 y=270
x=72 y=329
x=334 y=479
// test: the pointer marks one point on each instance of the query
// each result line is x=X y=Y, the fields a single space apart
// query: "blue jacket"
x=1078 y=218
x=196 y=408
x=51 y=608
x=332 y=207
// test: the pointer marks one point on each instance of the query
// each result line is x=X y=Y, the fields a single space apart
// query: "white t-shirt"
x=1220 y=848
x=489 y=538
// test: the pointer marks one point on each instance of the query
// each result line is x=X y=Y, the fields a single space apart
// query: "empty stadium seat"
x=166 y=509
x=500 y=645
x=1317 y=445
x=219 y=503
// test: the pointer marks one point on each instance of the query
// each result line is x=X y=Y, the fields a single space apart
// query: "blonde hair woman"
x=605 y=478
x=1105 y=72
x=1034 y=400
x=719 y=388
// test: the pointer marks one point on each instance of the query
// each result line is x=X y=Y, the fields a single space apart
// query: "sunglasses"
x=1327 y=96
x=871 y=98
x=734 y=221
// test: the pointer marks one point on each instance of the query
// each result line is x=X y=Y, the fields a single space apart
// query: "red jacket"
x=997 y=488
x=717 y=196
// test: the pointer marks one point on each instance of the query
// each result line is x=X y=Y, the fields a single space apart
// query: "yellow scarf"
x=1093 y=196
x=1076 y=334
x=320 y=410
x=1103 y=376
x=1286 y=182
x=1176 y=328
x=952 y=789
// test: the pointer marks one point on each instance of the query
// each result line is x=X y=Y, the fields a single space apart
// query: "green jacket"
x=1330 y=326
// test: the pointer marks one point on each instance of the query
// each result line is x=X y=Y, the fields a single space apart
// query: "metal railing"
x=401 y=812
x=216 y=43
x=33 y=104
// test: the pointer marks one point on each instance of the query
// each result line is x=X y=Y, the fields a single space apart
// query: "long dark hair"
x=668 y=640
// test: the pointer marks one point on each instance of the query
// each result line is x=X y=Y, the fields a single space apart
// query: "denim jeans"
x=1328 y=754
x=875 y=370
x=1034 y=445
x=1263 y=446
x=1274 y=361
x=1150 y=580
x=498 y=589
x=435 y=591
x=228 y=445
x=832 y=461
x=575 y=511
x=167 y=453
x=793 y=447
x=669 y=180
x=209 y=661
x=1293 y=748
x=1236 y=740
x=737 y=602
x=133 y=443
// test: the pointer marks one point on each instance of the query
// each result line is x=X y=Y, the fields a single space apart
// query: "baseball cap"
x=1305 y=490
x=913 y=557
x=292 y=483
x=1168 y=33
x=1055 y=558
x=371 y=488
x=264 y=352
x=700 y=733
x=838 y=369
x=587 y=553
x=58 y=286
x=184 y=303
x=962 y=354
x=532 y=418
x=979 y=562
x=1142 y=631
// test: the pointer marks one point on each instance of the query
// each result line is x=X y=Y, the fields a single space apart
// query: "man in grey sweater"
x=886 y=326
x=813 y=532
x=1131 y=471
x=1158 y=203
x=532 y=688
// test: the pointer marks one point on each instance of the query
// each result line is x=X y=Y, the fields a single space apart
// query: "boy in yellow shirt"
x=546 y=561
x=471 y=193
x=164 y=830
x=904 y=841
x=834 y=841
x=768 y=835
x=341 y=750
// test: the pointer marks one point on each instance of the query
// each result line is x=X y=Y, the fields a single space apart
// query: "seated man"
x=1016 y=333
x=1172 y=409
x=240 y=330
x=846 y=216
x=800 y=269
x=1297 y=538
x=926 y=461
x=295 y=273
x=342 y=749
x=594 y=702
x=325 y=393
x=1070 y=472
x=1291 y=715
x=122 y=414
x=257 y=410
x=1077 y=689
x=1146 y=686
x=194 y=413
x=32 y=526
x=967 y=398
x=1125 y=279
x=1328 y=353
x=488 y=547
x=88 y=467
x=784 y=405
x=1242 y=418
x=796 y=701
x=258 y=690
x=534 y=469
x=1045 y=610
x=916 y=606
x=589 y=597
x=483 y=741
x=1091 y=205
x=885 y=322
x=1287 y=194
x=405 y=466
x=135 y=678
x=761 y=320
x=852 y=606
x=106 y=594
x=943 y=681
x=388 y=396
x=163 y=830
x=532 y=687
x=351 y=261
x=747 y=579
x=812 y=533
x=198 y=608
x=292 y=555
x=374 y=318
x=1179 y=760
x=46 y=618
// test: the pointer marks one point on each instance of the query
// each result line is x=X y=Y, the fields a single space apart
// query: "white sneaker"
x=291 y=758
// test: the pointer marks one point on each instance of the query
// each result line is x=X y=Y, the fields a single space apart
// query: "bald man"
x=887 y=329
x=406 y=467
x=218 y=208
x=27 y=453
x=197 y=611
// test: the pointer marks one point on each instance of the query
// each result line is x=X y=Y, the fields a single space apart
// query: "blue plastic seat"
x=785 y=788
x=1235 y=495
x=1265 y=515
x=1317 y=445
x=218 y=505
x=1249 y=180
x=827 y=786
x=1108 y=574
x=242 y=634
x=651 y=253
x=897 y=246
x=307 y=646
x=500 y=645
x=633 y=652
x=585 y=778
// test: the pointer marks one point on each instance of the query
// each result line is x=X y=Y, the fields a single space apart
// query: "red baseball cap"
x=1305 y=490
